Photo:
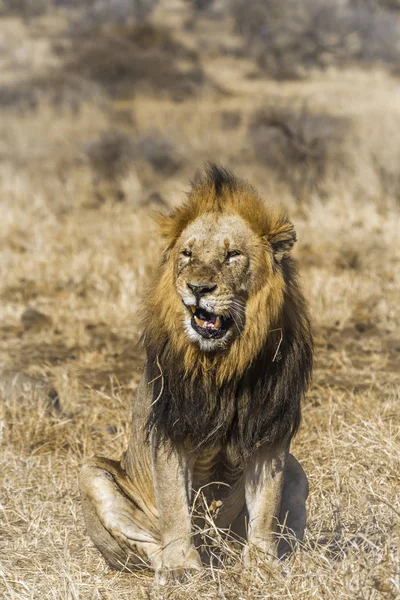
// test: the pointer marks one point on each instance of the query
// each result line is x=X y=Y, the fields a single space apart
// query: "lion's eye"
x=186 y=252
x=232 y=253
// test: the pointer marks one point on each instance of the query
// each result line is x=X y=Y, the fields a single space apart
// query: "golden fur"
x=163 y=306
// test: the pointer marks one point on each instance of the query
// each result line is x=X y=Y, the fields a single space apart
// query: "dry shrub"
x=160 y=153
x=94 y=11
x=230 y=119
x=301 y=147
x=290 y=38
x=127 y=59
x=389 y=5
x=317 y=152
x=201 y=5
x=100 y=12
x=115 y=153
x=111 y=155
x=24 y=8
x=376 y=150
x=389 y=175
x=62 y=91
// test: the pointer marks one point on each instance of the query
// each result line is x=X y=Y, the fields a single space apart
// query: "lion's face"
x=218 y=261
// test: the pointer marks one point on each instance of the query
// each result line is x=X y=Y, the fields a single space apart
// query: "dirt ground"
x=82 y=170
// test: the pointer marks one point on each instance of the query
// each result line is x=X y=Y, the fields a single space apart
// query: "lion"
x=228 y=361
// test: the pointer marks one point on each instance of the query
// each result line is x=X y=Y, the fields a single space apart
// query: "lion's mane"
x=251 y=393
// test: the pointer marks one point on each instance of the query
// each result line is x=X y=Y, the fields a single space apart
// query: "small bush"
x=230 y=119
x=289 y=38
x=24 y=8
x=301 y=147
x=92 y=13
x=61 y=91
x=114 y=153
x=126 y=59
x=105 y=12
x=390 y=5
x=160 y=153
x=111 y=155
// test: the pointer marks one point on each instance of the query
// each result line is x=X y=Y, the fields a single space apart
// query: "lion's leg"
x=293 y=513
x=264 y=479
x=120 y=529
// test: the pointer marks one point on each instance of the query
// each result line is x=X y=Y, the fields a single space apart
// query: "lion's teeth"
x=207 y=324
x=199 y=322
x=193 y=309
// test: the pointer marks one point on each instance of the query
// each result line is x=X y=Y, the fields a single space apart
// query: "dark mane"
x=263 y=406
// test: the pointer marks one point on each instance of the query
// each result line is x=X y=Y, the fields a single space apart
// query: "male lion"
x=229 y=357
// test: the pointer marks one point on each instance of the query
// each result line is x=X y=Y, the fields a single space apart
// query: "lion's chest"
x=213 y=467
x=216 y=478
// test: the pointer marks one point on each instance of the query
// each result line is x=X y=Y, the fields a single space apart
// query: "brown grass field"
x=82 y=169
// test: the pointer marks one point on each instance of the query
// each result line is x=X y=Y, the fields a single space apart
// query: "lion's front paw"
x=262 y=555
x=177 y=565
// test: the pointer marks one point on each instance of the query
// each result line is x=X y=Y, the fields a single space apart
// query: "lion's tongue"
x=208 y=324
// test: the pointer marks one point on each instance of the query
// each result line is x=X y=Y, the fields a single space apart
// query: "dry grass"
x=80 y=250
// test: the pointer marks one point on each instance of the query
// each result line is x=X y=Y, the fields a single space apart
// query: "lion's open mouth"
x=208 y=324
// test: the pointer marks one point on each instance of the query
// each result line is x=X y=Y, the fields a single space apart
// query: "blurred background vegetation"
x=113 y=55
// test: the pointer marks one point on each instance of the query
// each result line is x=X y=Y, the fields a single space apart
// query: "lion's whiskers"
x=237 y=326
x=239 y=306
x=238 y=312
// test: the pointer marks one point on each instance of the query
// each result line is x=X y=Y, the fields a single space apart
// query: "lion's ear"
x=282 y=238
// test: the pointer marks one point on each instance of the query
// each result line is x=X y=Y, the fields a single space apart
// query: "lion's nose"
x=201 y=290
